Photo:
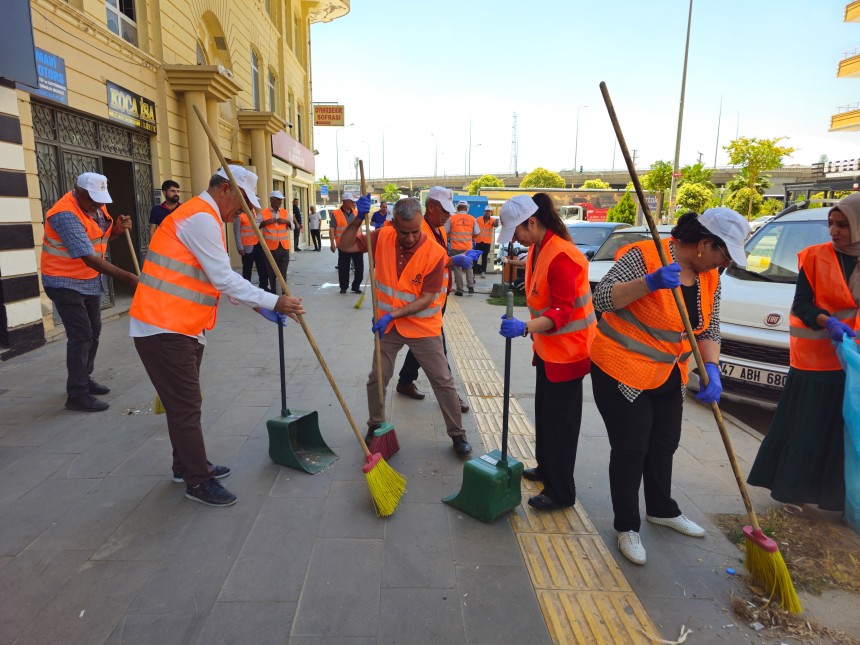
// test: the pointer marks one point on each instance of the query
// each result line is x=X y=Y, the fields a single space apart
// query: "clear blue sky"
x=423 y=70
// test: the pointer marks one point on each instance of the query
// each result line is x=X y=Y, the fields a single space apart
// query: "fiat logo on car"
x=773 y=319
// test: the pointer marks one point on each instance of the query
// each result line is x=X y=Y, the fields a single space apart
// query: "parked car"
x=755 y=306
x=325 y=218
x=758 y=222
x=589 y=236
x=604 y=258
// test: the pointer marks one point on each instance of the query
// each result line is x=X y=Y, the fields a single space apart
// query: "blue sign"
x=324 y=191
x=51 y=74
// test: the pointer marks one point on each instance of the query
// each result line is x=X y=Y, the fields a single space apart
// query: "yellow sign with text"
x=328 y=115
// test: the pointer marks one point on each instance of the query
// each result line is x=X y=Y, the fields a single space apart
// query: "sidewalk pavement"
x=98 y=545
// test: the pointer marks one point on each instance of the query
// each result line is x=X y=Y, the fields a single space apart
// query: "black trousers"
x=296 y=237
x=643 y=436
x=343 y=262
x=82 y=318
x=558 y=416
x=481 y=266
x=315 y=238
x=258 y=258
x=282 y=259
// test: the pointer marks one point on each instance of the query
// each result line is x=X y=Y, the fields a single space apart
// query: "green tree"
x=694 y=197
x=741 y=180
x=592 y=184
x=485 y=181
x=697 y=174
x=745 y=200
x=659 y=178
x=770 y=207
x=391 y=193
x=324 y=181
x=542 y=178
x=624 y=211
x=757 y=156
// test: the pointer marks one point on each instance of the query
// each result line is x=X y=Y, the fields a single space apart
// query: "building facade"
x=848 y=116
x=118 y=83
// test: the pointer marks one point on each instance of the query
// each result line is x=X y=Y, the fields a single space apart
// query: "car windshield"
x=772 y=253
x=617 y=240
x=589 y=235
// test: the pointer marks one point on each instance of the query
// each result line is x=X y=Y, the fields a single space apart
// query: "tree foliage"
x=770 y=207
x=324 y=181
x=592 y=184
x=745 y=200
x=741 y=180
x=624 y=211
x=697 y=174
x=659 y=178
x=391 y=193
x=485 y=181
x=694 y=197
x=756 y=156
x=542 y=178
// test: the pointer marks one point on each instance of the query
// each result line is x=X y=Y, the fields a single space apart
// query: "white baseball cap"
x=350 y=196
x=96 y=186
x=731 y=227
x=246 y=180
x=277 y=194
x=462 y=203
x=514 y=212
x=487 y=208
x=445 y=197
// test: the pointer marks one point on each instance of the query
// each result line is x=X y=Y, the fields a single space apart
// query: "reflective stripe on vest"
x=640 y=344
x=174 y=292
x=462 y=226
x=812 y=349
x=275 y=234
x=393 y=292
x=246 y=231
x=55 y=257
x=573 y=341
x=340 y=225
x=487 y=230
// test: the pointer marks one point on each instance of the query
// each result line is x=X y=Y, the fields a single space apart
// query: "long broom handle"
x=679 y=302
x=506 y=402
x=377 y=349
x=133 y=254
x=280 y=277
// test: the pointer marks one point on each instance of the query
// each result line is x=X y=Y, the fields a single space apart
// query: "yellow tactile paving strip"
x=584 y=596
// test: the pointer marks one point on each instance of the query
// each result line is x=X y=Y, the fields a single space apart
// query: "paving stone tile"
x=10 y=454
x=157 y=629
x=418 y=548
x=476 y=542
x=150 y=459
x=341 y=593
x=419 y=616
x=76 y=439
x=708 y=620
x=27 y=472
x=237 y=420
x=232 y=623
x=424 y=480
x=107 y=454
x=351 y=518
x=334 y=640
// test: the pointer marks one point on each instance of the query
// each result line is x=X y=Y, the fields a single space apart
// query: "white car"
x=604 y=258
x=325 y=217
x=758 y=222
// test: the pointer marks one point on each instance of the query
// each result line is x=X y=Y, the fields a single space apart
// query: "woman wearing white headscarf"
x=802 y=458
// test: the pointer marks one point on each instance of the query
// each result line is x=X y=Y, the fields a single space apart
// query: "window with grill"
x=255 y=79
x=121 y=19
x=273 y=92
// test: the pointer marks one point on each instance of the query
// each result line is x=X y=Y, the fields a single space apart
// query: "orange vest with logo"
x=339 y=225
x=246 y=231
x=174 y=292
x=812 y=349
x=487 y=227
x=572 y=342
x=56 y=260
x=462 y=227
x=640 y=344
x=276 y=234
x=393 y=292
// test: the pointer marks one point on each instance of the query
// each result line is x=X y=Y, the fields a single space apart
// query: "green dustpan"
x=294 y=437
x=492 y=483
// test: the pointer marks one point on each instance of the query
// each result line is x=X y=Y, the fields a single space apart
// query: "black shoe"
x=343 y=290
x=356 y=291
x=461 y=446
x=298 y=250
x=544 y=503
x=410 y=390
x=217 y=472
x=458 y=293
x=211 y=493
x=369 y=436
x=532 y=475
x=98 y=388
x=464 y=407
x=86 y=403
x=471 y=289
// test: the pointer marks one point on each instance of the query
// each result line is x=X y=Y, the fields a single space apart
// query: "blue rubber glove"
x=667 y=277
x=382 y=325
x=512 y=328
x=363 y=205
x=463 y=261
x=711 y=394
x=273 y=316
x=836 y=328
x=474 y=254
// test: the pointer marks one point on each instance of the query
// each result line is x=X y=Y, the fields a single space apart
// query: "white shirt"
x=202 y=236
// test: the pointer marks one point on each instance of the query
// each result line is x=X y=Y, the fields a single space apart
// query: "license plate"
x=753 y=375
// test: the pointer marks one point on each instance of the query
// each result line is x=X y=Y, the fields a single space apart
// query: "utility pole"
x=719 y=121
x=514 y=147
x=680 y=116
x=635 y=154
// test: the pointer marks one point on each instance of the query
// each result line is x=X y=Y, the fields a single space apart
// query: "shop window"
x=121 y=19
x=273 y=92
x=255 y=79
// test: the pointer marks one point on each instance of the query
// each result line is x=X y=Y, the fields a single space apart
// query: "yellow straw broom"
x=763 y=559
x=386 y=484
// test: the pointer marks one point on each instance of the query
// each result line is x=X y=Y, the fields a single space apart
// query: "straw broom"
x=386 y=484
x=763 y=559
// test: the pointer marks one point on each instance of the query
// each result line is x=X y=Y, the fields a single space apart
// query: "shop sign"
x=130 y=108
x=328 y=114
x=50 y=76
x=286 y=148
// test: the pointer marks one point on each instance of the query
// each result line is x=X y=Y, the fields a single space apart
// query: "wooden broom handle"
x=247 y=209
x=133 y=254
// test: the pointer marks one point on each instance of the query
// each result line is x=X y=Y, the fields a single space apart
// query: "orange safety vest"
x=640 y=344
x=276 y=234
x=393 y=292
x=174 y=292
x=572 y=342
x=246 y=231
x=812 y=349
x=487 y=230
x=56 y=260
x=340 y=224
x=462 y=226
x=428 y=231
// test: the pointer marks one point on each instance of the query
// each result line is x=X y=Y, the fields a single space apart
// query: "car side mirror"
x=589 y=253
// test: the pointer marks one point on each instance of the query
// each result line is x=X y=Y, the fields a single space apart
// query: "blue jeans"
x=82 y=318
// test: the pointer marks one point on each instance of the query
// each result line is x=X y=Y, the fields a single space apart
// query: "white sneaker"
x=631 y=546
x=682 y=524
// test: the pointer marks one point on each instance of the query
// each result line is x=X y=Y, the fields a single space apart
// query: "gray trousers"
x=458 y=273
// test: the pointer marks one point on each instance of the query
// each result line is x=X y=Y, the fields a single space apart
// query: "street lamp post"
x=576 y=143
x=337 y=158
x=469 y=158
x=680 y=117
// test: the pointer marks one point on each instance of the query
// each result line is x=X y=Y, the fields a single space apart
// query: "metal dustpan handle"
x=284 y=411
x=507 y=393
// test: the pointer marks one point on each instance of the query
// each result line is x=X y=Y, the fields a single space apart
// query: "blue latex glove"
x=382 y=325
x=667 y=277
x=363 y=205
x=463 y=261
x=474 y=254
x=711 y=394
x=836 y=328
x=512 y=328
x=273 y=316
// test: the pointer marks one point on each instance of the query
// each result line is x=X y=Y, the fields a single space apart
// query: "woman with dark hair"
x=802 y=457
x=639 y=361
x=562 y=326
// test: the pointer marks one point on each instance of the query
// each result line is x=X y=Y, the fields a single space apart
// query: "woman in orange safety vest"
x=562 y=327
x=640 y=357
x=802 y=457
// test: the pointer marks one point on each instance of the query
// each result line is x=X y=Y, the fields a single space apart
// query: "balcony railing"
x=851 y=53
x=851 y=107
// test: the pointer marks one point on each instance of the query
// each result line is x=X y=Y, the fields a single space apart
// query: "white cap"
x=445 y=196
x=514 y=212
x=731 y=227
x=487 y=208
x=96 y=185
x=276 y=193
x=350 y=196
x=246 y=180
x=462 y=203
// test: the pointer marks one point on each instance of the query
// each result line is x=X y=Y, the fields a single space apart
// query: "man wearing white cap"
x=340 y=219
x=186 y=271
x=77 y=229
x=276 y=227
